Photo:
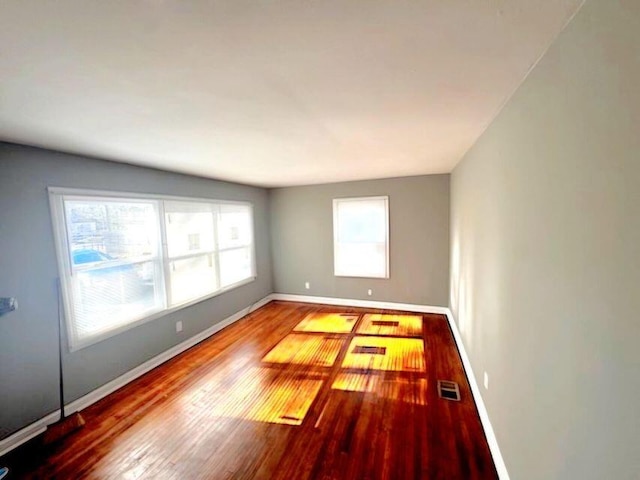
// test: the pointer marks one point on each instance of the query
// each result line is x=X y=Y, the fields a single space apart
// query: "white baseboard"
x=498 y=461
x=350 y=302
x=101 y=392
x=27 y=433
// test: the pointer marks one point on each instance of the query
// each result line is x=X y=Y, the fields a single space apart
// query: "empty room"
x=320 y=240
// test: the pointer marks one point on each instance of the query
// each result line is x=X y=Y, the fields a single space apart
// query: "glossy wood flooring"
x=288 y=392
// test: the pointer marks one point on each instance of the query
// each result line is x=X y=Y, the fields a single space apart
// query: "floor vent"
x=289 y=417
x=385 y=323
x=370 y=350
x=448 y=390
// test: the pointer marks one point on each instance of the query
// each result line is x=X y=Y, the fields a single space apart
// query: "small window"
x=361 y=237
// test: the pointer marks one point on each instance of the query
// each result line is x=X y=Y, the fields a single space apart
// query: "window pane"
x=235 y=266
x=192 y=278
x=362 y=221
x=110 y=286
x=234 y=226
x=102 y=230
x=361 y=259
x=189 y=228
x=105 y=299
x=360 y=227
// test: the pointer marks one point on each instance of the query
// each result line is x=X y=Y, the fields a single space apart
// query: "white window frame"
x=61 y=241
x=336 y=233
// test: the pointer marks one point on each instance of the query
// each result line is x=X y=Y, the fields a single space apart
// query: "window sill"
x=361 y=276
x=156 y=315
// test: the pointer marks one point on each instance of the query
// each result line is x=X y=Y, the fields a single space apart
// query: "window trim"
x=64 y=264
x=336 y=202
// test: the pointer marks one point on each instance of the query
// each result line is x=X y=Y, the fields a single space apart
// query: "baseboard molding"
x=498 y=460
x=117 y=383
x=27 y=433
x=350 y=302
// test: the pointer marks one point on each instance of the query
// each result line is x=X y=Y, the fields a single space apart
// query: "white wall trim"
x=350 y=302
x=27 y=433
x=498 y=461
x=101 y=392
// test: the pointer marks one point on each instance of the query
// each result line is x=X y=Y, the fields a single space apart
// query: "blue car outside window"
x=89 y=256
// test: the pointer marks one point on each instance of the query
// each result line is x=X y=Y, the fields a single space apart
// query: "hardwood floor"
x=285 y=393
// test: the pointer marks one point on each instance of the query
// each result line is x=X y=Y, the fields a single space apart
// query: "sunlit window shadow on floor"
x=301 y=349
x=263 y=395
x=385 y=324
x=327 y=323
x=293 y=372
x=385 y=353
x=403 y=389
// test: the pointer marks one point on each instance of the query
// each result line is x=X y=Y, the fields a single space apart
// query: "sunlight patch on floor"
x=403 y=389
x=264 y=396
x=385 y=353
x=327 y=323
x=301 y=349
x=398 y=325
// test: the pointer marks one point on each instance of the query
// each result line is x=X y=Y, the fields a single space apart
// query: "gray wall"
x=302 y=240
x=28 y=271
x=545 y=256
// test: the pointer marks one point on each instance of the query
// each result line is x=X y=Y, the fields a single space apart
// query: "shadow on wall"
x=461 y=291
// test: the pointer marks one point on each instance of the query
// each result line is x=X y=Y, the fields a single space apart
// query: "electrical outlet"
x=307 y=285
x=486 y=381
x=369 y=292
x=179 y=326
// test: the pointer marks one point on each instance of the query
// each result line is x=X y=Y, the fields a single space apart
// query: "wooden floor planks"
x=260 y=400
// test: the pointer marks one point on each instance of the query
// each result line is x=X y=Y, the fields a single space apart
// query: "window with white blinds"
x=361 y=237
x=125 y=259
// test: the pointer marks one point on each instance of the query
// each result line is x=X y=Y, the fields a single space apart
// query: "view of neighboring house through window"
x=235 y=244
x=190 y=250
x=127 y=260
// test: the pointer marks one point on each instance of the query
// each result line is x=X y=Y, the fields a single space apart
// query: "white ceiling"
x=268 y=93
